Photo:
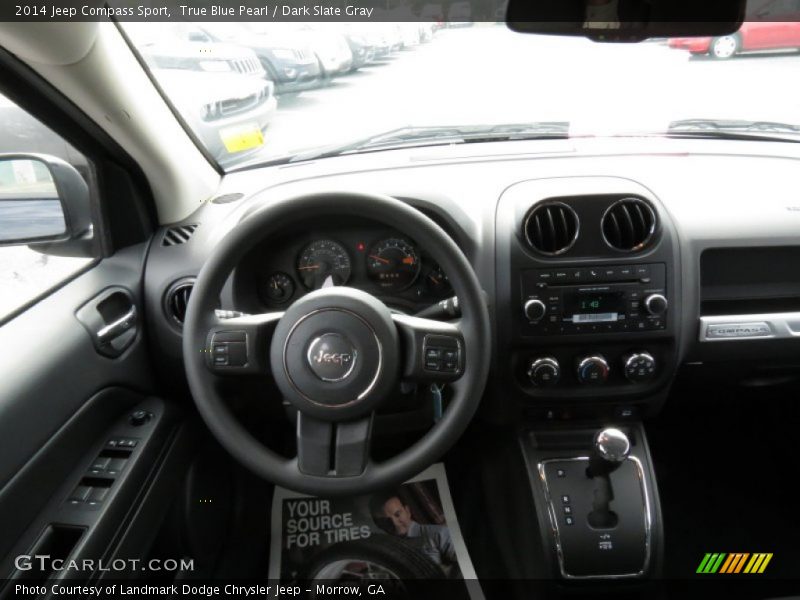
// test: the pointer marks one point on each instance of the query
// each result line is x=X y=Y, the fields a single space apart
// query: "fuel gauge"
x=276 y=289
x=437 y=282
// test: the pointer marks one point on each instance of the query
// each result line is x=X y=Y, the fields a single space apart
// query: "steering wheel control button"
x=544 y=372
x=441 y=353
x=229 y=349
x=332 y=357
x=592 y=370
x=639 y=367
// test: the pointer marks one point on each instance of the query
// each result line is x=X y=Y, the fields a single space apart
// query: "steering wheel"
x=335 y=354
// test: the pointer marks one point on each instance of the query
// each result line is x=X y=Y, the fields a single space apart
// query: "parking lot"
x=599 y=88
x=506 y=78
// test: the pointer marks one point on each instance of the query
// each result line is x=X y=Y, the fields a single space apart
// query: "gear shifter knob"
x=611 y=448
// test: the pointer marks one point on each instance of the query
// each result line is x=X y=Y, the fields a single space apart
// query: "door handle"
x=113 y=330
x=111 y=320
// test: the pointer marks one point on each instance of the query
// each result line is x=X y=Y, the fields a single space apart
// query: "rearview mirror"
x=44 y=203
x=626 y=20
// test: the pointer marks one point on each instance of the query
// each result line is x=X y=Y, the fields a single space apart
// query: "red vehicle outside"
x=757 y=33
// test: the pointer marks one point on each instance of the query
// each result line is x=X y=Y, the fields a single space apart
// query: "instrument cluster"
x=382 y=262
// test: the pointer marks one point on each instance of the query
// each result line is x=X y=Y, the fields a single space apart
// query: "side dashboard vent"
x=180 y=234
x=551 y=228
x=629 y=224
x=177 y=299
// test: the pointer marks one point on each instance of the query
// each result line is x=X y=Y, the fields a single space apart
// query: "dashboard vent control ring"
x=177 y=299
x=180 y=234
x=551 y=228
x=628 y=225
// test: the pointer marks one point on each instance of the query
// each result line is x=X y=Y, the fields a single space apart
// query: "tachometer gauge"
x=393 y=264
x=276 y=289
x=323 y=262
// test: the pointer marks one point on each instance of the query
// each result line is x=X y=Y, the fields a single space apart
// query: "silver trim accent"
x=372 y=383
x=648 y=521
x=529 y=303
x=739 y=328
x=544 y=204
x=353 y=358
x=650 y=233
x=612 y=434
x=635 y=356
x=545 y=360
x=113 y=330
x=652 y=297
x=596 y=358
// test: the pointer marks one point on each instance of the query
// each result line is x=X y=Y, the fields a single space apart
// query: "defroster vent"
x=179 y=234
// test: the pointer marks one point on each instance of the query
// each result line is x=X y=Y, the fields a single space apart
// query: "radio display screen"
x=594 y=307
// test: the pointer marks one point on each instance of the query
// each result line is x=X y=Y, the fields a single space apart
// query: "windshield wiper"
x=432 y=136
x=735 y=129
x=441 y=135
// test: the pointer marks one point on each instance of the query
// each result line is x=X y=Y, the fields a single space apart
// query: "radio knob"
x=639 y=367
x=544 y=372
x=656 y=304
x=535 y=310
x=593 y=370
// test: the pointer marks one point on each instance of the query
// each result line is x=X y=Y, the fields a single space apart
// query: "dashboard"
x=608 y=264
x=354 y=252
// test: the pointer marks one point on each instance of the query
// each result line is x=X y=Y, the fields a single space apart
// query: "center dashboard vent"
x=177 y=299
x=551 y=228
x=629 y=224
x=179 y=234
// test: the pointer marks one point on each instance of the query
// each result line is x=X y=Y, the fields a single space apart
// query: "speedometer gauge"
x=393 y=264
x=323 y=262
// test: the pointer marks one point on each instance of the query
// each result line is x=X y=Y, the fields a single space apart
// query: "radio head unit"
x=600 y=299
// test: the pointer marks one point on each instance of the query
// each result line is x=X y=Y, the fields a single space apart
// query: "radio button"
x=656 y=304
x=544 y=276
x=535 y=310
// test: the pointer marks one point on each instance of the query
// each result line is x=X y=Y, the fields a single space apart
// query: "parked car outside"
x=770 y=25
x=289 y=62
x=330 y=47
x=184 y=46
x=228 y=111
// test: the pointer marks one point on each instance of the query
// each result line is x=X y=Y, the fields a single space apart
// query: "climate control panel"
x=595 y=369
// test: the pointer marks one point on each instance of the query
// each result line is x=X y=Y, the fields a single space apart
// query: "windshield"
x=262 y=92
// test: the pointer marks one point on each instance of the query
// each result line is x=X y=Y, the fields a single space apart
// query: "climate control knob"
x=639 y=367
x=656 y=304
x=535 y=310
x=593 y=370
x=544 y=372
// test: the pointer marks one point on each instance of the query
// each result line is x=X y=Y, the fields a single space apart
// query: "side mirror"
x=44 y=203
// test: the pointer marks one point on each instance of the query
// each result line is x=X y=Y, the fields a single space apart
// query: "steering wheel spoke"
x=433 y=350
x=328 y=449
x=240 y=345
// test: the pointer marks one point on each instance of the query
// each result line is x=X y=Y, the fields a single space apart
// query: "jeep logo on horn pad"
x=331 y=357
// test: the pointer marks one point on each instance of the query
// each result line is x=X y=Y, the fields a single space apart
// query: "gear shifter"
x=611 y=448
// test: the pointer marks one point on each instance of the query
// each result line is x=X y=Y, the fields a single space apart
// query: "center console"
x=596 y=502
x=588 y=281
x=588 y=270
